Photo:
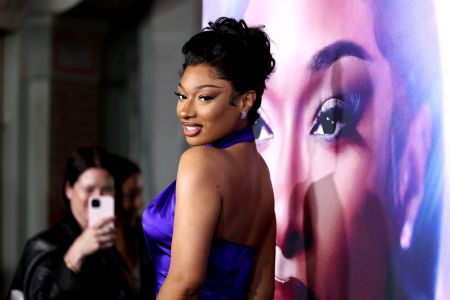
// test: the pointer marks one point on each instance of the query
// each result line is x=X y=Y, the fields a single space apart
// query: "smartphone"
x=100 y=207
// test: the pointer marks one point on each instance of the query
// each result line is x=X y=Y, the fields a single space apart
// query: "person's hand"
x=100 y=235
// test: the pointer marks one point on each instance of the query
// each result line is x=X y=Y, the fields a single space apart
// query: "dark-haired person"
x=212 y=232
x=130 y=236
x=349 y=129
x=73 y=260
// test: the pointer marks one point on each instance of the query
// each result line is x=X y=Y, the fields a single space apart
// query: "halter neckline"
x=239 y=136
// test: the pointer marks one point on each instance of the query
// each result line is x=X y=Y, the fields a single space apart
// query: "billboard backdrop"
x=350 y=128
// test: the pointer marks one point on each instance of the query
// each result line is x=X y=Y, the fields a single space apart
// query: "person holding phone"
x=76 y=259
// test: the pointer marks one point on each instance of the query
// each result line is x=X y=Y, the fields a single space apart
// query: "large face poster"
x=350 y=129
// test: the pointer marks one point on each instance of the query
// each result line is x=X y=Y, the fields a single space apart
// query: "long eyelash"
x=353 y=106
x=179 y=95
x=352 y=101
x=205 y=98
x=259 y=126
x=350 y=104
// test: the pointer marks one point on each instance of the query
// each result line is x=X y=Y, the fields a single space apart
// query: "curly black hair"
x=239 y=53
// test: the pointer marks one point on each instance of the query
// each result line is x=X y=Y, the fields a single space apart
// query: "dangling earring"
x=244 y=115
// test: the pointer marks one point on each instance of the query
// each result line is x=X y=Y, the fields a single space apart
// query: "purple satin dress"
x=229 y=265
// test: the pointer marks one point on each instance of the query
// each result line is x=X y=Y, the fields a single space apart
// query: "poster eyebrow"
x=325 y=57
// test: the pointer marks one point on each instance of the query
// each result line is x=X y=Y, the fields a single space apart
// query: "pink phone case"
x=100 y=207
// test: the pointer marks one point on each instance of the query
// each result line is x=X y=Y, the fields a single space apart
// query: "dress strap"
x=239 y=136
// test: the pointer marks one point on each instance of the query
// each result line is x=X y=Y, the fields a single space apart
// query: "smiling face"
x=324 y=133
x=204 y=105
x=92 y=182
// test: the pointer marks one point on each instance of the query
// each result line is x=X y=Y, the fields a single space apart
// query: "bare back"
x=224 y=193
x=247 y=203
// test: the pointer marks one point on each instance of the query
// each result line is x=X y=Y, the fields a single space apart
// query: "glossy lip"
x=292 y=288
x=191 y=129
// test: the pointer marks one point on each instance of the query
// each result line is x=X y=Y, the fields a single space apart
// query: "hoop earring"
x=244 y=115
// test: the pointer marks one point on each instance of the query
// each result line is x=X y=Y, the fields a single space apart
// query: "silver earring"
x=244 y=115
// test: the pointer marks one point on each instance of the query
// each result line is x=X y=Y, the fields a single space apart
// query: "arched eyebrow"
x=201 y=86
x=325 y=57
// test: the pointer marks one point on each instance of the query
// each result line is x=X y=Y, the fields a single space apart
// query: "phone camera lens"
x=95 y=203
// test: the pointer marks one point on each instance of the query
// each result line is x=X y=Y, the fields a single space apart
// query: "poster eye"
x=329 y=121
x=335 y=118
x=262 y=131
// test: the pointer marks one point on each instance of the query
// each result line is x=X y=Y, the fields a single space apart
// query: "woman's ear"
x=68 y=190
x=412 y=167
x=247 y=100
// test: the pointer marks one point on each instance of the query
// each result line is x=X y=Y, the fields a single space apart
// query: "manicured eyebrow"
x=199 y=87
x=325 y=57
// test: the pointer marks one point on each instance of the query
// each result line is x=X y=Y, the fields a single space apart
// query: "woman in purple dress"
x=212 y=231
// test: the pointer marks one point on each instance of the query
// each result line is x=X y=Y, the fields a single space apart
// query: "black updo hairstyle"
x=239 y=53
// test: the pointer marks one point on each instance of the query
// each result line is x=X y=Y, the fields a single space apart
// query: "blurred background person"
x=76 y=73
x=74 y=260
x=130 y=239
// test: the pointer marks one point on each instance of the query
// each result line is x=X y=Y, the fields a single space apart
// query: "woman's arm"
x=46 y=272
x=101 y=235
x=197 y=211
x=262 y=284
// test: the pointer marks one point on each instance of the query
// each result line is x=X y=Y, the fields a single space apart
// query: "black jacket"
x=42 y=273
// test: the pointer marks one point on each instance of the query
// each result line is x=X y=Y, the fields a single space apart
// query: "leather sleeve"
x=51 y=279
x=42 y=273
x=46 y=275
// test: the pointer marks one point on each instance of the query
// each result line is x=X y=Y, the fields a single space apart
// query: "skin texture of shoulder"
x=203 y=161
x=205 y=182
x=196 y=215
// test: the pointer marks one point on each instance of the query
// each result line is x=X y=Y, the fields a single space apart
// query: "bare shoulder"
x=198 y=178
x=201 y=157
x=201 y=163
